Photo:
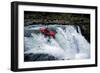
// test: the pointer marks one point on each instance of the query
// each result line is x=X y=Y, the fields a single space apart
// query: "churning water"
x=69 y=43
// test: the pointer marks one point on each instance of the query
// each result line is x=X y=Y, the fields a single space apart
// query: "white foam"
x=68 y=44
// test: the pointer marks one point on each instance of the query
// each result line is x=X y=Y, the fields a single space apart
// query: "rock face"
x=86 y=31
x=38 y=57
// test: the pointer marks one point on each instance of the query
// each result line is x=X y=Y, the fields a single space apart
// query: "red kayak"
x=47 y=32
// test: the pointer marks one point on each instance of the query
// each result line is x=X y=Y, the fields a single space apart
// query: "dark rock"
x=85 y=29
x=38 y=57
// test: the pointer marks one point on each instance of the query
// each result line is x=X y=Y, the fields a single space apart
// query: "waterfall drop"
x=67 y=44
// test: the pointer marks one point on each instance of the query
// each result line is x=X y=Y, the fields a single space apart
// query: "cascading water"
x=68 y=42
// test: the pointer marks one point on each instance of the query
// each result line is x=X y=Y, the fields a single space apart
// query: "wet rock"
x=38 y=57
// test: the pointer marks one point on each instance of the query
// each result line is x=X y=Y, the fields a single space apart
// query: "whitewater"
x=69 y=43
